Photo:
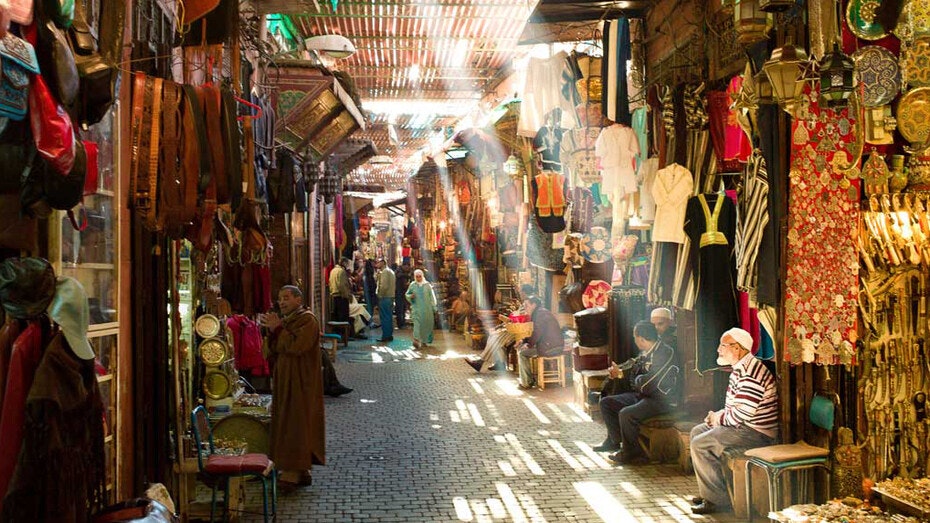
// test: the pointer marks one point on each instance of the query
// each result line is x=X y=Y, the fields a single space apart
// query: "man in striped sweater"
x=748 y=419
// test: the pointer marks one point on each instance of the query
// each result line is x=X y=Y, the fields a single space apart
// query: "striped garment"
x=751 y=397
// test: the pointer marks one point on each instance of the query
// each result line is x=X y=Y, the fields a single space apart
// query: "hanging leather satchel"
x=57 y=62
x=51 y=127
x=17 y=60
x=96 y=77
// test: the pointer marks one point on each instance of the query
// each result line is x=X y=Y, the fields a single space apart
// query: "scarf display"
x=615 y=97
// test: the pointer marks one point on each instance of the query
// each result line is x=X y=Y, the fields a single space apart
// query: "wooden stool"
x=547 y=375
x=333 y=340
x=343 y=326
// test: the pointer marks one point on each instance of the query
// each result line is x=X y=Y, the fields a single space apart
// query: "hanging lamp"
x=785 y=71
x=837 y=79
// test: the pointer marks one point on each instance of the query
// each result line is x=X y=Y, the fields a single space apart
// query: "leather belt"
x=177 y=201
x=212 y=108
x=149 y=216
x=141 y=137
x=192 y=164
x=201 y=232
x=231 y=141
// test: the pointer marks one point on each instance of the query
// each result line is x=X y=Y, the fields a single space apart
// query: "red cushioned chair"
x=222 y=468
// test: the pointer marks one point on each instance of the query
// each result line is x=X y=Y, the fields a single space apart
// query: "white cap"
x=740 y=336
x=660 y=312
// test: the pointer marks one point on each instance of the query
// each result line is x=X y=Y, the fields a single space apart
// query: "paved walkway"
x=426 y=439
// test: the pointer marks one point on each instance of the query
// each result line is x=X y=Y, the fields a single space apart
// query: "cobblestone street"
x=425 y=438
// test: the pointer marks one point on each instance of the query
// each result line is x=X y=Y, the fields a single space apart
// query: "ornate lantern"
x=749 y=21
x=785 y=70
x=763 y=89
x=774 y=6
x=836 y=78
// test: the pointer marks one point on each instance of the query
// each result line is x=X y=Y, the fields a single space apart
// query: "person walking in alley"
x=422 y=309
x=292 y=348
x=386 y=282
x=402 y=275
x=748 y=419
x=653 y=385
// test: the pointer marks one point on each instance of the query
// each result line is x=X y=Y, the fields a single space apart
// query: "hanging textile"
x=767 y=264
x=549 y=200
x=753 y=219
x=615 y=97
x=617 y=147
x=60 y=472
x=823 y=224
x=657 y=125
x=710 y=224
x=640 y=124
x=542 y=93
x=626 y=306
x=578 y=158
x=647 y=202
x=539 y=249
x=672 y=187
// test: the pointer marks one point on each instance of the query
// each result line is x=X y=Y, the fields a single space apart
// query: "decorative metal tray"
x=899 y=505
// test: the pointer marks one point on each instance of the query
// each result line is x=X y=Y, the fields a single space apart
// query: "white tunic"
x=671 y=190
x=616 y=147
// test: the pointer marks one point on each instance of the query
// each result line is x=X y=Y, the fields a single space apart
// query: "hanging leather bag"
x=51 y=127
x=96 y=76
x=57 y=62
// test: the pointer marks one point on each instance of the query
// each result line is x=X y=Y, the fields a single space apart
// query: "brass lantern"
x=836 y=78
x=785 y=70
x=774 y=6
x=763 y=89
x=749 y=21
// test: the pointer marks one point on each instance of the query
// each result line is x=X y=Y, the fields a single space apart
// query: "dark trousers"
x=386 y=313
x=341 y=311
x=400 y=311
x=623 y=415
x=330 y=381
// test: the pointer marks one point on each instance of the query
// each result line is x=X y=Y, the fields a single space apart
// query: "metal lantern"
x=749 y=21
x=774 y=6
x=763 y=89
x=785 y=70
x=836 y=78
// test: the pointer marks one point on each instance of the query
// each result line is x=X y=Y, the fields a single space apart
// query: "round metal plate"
x=913 y=115
x=217 y=385
x=860 y=16
x=213 y=351
x=879 y=72
x=915 y=63
x=207 y=326
x=244 y=427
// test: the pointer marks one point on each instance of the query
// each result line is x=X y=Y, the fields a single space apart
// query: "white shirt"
x=671 y=190
x=616 y=146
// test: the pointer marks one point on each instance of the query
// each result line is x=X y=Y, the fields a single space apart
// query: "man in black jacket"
x=653 y=380
x=546 y=339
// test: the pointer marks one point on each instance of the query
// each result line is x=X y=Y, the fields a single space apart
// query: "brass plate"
x=213 y=351
x=878 y=70
x=860 y=16
x=913 y=115
x=244 y=427
x=915 y=63
x=208 y=326
x=217 y=385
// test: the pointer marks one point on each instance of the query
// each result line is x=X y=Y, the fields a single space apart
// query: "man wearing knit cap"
x=665 y=326
x=748 y=419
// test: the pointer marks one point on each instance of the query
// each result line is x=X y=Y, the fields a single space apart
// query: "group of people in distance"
x=749 y=417
x=395 y=291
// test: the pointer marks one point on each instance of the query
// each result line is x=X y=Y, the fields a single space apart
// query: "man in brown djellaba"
x=292 y=347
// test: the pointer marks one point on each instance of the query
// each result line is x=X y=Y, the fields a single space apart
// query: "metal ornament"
x=836 y=78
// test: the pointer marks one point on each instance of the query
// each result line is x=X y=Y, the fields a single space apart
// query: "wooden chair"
x=343 y=328
x=218 y=468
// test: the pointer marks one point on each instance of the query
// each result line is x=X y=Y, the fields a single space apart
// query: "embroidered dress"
x=617 y=146
x=712 y=234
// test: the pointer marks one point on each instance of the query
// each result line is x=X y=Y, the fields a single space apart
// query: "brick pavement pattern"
x=425 y=439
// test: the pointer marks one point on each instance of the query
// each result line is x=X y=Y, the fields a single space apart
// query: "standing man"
x=546 y=339
x=386 y=290
x=749 y=418
x=341 y=291
x=653 y=380
x=292 y=348
x=400 y=300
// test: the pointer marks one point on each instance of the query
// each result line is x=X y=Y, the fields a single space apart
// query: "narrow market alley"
x=425 y=438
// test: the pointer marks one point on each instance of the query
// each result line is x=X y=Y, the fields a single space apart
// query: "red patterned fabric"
x=244 y=464
x=823 y=220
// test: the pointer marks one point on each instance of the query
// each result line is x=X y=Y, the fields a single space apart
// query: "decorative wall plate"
x=860 y=16
x=914 y=21
x=913 y=115
x=207 y=326
x=915 y=63
x=217 y=385
x=595 y=245
x=213 y=351
x=878 y=70
x=596 y=294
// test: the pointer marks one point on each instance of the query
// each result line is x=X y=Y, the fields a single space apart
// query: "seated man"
x=749 y=418
x=653 y=380
x=495 y=349
x=662 y=318
x=546 y=339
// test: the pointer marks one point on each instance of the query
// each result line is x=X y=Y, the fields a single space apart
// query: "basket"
x=520 y=330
